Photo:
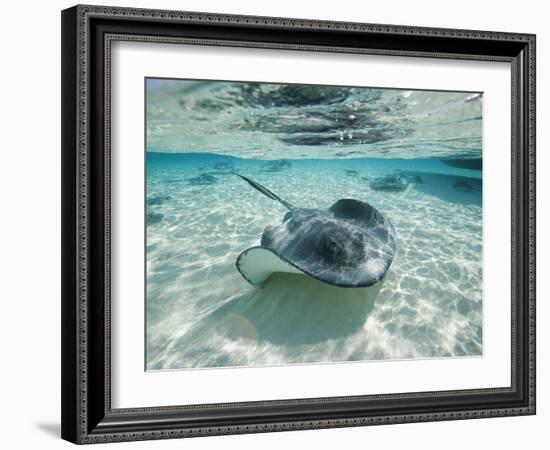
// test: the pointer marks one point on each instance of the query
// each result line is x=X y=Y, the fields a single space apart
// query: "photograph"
x=292 y=224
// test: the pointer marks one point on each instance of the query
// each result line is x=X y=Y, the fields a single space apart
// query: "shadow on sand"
x=290 y=310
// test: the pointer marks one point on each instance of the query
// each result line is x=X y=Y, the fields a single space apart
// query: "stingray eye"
x=331 y=249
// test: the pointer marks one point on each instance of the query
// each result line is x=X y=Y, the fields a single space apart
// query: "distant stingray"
x=220 y=168
x=389 y=183
x=410 y=177
x=350 y=244
x=204 y=179
x=153 y=218
x=276 y=165
x=159 y=200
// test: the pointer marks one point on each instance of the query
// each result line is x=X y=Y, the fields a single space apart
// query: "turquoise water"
x=200 y=217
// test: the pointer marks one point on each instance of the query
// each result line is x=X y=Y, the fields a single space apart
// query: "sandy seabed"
x=202 y=313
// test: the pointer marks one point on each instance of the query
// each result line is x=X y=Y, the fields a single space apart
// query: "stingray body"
x=388 y=183
x=204 y=179
x=350 y=244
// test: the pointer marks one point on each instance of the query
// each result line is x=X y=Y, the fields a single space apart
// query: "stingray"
x=204 y=179
x=410 y=177
x=350 y=244
x=159 y=200
x=153 y=218
x=388 y=183
x=276 y=165
x=219 y=168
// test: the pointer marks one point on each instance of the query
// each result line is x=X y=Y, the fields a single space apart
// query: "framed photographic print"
x=278 y=224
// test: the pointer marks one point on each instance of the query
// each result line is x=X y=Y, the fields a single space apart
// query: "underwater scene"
x=296 y=224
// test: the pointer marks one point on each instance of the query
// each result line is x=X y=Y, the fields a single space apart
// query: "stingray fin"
x=264 y=191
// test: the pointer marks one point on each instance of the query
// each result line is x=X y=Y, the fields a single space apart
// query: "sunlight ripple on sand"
x=202 y=313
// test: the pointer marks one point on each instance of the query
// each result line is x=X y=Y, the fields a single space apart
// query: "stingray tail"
x=265 y=191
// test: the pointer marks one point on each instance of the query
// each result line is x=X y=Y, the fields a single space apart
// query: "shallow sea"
x=200 y=217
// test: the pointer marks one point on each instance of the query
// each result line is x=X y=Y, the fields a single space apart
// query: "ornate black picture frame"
x=87 y=34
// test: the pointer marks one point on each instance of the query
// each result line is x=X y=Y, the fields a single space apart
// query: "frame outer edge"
x=296 y=23
x=75 y=219
x=532 y=143
x=69 y=289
